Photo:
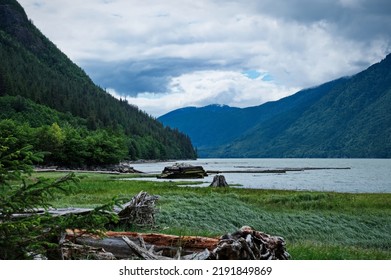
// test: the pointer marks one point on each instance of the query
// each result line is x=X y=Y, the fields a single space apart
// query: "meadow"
x=315 y=225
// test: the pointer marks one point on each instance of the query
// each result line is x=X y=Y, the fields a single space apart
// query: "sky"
x=164 y=55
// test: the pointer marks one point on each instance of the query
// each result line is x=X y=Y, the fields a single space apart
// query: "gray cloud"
x=152 y=75
x=354 y=19
x=175 y=48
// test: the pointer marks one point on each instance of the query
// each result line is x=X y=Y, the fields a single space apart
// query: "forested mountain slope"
x=351 y=120
x=35 y=71
x=348 y=117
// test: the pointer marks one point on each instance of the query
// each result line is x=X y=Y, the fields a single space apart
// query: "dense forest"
x=54 y=106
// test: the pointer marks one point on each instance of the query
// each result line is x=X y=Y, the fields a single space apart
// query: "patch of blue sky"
x=251 y=74
x=267 y=77
x=255 y=74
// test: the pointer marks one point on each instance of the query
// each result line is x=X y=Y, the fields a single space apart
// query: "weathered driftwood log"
x=244 y=244
x=142 y=251
x=54 y=212
x=183 y=171
x=72 y=251
x=279 y=170
x=140 y=211
x=151 y=255
x=219 y=181
x=193 y=243
x=163 y=244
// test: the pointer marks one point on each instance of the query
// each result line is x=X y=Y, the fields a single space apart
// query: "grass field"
x=315 y=225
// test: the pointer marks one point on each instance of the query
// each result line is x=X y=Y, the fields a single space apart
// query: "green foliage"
x=16 y=157
x=105 y=148
x=64 y=146
x=30 y=234
x=34 y=71
x=26 y=229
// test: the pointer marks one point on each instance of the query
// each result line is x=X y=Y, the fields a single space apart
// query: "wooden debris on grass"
x=244 y=244
x=72 y=251
x=140 y=211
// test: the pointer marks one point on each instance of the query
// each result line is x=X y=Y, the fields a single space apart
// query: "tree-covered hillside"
x=348 y=117
x=351 y=120
x=212 y=127
x=34 y=71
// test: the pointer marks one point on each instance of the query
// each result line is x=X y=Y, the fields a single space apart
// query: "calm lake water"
x=363 y=175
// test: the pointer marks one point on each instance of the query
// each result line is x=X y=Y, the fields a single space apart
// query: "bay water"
x=335 y=175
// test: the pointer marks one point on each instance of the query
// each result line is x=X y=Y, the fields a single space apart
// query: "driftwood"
x=183 y=171
x=193 y=243
x=244 y=244
x=152 y=255
x=72 y=251
x=140 y=210
x=161 y=244
x=248 y=244
x=280 y=170
x=219 y=181
x=142 y=251
x=53 y=212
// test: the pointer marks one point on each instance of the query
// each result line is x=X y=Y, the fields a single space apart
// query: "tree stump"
x=140 y=210
x=219 y=181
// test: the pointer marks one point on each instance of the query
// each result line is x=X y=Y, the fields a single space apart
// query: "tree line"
x=67 y=141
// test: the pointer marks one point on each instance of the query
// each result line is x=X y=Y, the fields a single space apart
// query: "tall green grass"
x=316 y=225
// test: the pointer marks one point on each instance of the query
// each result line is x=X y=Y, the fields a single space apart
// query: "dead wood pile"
x=244 y=244
x=248 y=244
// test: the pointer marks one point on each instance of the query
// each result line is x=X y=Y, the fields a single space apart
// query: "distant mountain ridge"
x=347 y=117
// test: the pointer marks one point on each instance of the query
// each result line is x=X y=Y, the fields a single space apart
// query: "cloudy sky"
x=164 y=55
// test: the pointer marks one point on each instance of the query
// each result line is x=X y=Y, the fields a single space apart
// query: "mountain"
x=200 y=123
x=348 y=117
x=36 y=75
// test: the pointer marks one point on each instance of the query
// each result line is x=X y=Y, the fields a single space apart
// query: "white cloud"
x=209 y=87
x=300 y=43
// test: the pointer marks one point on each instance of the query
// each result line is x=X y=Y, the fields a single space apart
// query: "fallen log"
x=279 y=170
x=142 y=251
x=140 y=211
x=248 y=171
x=166 y=244
x=72 y=251
x=194 y=243
x=244 y=244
